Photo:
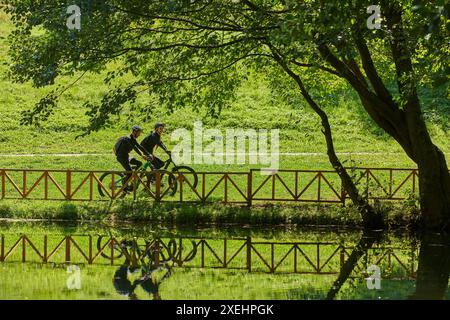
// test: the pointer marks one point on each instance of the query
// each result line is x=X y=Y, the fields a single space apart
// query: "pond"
x=131 y=261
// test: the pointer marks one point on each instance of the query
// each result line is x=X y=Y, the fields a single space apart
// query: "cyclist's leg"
x=126 y=165
x=157 y=163
x=135 y=162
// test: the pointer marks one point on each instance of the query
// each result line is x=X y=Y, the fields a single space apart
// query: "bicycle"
x=183 y=172
x=164 y=179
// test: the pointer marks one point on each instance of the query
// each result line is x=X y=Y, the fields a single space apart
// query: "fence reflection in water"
x=191 y=252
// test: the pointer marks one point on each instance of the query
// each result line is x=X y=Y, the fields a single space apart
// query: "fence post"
x=68 y=184
x=156 y=253
x=249 y=187
x=67 y=249
x=45 y=248
x=3 y=173
x=24 y=184
x=343 y=194
x=24 y=253
x=249 y=254
x=90 y=249
x=112 y=242
x=2 y=249
x=158 y=186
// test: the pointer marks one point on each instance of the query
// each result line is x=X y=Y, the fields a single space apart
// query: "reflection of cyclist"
x=123 y=147
x=121 y=283
x=149 y=283
x=152 y=140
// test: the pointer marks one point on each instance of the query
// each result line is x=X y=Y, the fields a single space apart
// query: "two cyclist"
x=126 y=144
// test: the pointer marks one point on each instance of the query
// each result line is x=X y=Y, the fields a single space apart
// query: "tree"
x=198 y=46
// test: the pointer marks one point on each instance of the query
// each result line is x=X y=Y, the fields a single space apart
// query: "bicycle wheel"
x=167 y=183
x=187 y=175
x=117 y=251
x=107 y=180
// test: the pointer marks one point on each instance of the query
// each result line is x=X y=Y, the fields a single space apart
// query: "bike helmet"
x=159 y=124
x=136 y=128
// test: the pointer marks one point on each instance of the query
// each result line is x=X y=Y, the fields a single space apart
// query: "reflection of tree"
x=367 y=240
x=434 y=267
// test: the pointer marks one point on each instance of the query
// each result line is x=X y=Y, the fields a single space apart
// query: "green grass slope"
x=254 y=107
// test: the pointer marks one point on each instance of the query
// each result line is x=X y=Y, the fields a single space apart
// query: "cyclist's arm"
x=141 y=150
x=161 y=144
x=137 y=148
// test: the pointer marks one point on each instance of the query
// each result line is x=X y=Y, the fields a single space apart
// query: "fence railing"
x=226 y=253
x=288 y=186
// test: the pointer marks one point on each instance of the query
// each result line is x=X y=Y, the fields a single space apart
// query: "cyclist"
x=123 y=147
x=152 y=140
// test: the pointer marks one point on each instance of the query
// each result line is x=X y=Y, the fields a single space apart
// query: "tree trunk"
x=434 y=267
x=434 y=183
x=371 y=219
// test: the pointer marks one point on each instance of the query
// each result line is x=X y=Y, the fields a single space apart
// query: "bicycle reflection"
x=151 y=265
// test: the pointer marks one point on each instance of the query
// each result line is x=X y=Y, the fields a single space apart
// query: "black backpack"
x=118 y=144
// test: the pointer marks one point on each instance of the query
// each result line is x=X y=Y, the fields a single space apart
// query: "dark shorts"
x=157 y=163
x=128 y=162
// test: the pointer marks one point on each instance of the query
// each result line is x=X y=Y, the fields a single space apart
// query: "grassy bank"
x=190 y=215
x=256 y=106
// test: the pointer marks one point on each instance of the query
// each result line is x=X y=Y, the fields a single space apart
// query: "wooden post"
x=90 y=250
x=46 y=185
x=25 y=180
x=68 y=185
x=342 y=194
x=113 y=185
x=225 y=252
x=3 y=184
x=24 y=184
x=390 y=182
x=203 y=187
x=24 y=248
x=156 y=253
x=45 y=248
x=318 y=258
x=181 y=180
x=226 y=188
x=319 y=174
x=91 y=185
x=2 y=249
x=203 y=252
x=132 y=182
x=67 y=249
x=158 y=186
x=112 y=242
x=249 y=188
x=249 y=254
x=273 y=186
x=180 y=260
x=272 y=269
x=295 y=258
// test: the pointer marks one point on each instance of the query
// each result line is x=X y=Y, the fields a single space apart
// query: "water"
x=64 y=261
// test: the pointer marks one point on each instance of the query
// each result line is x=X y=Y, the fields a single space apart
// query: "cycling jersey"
x=124 y=146
x=150 y=141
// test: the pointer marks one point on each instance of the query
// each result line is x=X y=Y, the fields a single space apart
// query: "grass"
x=255 y=106
x=215 y=214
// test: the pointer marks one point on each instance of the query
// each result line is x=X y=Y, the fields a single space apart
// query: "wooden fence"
x=287 y=186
